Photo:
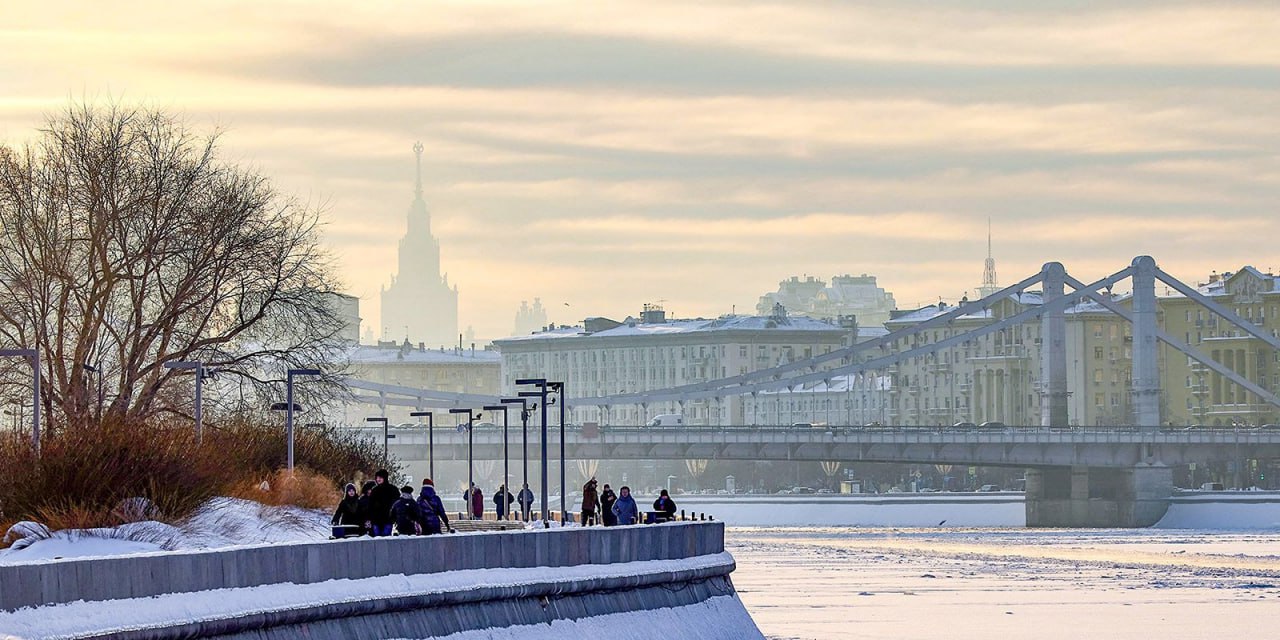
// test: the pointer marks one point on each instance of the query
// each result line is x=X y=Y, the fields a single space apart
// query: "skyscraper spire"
x=989 y=282
x=417 y=185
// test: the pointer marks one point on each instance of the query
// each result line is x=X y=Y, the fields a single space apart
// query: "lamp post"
x=564 y=489
x=33 y=357
x=471 y=441
x=289 y=406
x=540 y=393
x=198 y=368
x=386 y=436
x=506 y=458
x=524 y=431
x=431 y=444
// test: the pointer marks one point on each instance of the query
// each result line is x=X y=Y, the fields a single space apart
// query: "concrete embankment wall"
x=547 y=598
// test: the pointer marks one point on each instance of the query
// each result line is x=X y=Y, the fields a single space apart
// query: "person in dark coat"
x=590 y=500
x=406 y=514
x=474 y=498
x=607 y=498
x=434 y=518
x=625 y=508
x=364 y=506
x=347 y=514
x=498 y=501
x=665 y=505
x=381 y=499
x=526 y=502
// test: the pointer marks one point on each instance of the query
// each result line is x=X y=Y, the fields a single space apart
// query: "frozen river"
x=825 y=583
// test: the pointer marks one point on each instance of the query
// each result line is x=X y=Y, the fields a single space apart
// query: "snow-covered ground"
x=83 y=618
x=826 y=583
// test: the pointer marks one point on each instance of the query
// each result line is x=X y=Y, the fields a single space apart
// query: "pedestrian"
x=346 y=519
x=625 y=509
x=407 y=515
x=503 y=500
x=474 y=499
x=525 y=498
x=364 y=508
x=665 y=505
x=590 y=500
x=381 y=499
x=434 y=518
x=607 y=498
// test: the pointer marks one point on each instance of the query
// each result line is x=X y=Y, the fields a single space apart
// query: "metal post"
x=1053 y=351
x=1146 y=367
x=564 y=489
x=506 y=464
x=288 y=420
x=545 y=507
x=471 y=441
x=431 y=453
x=199 y=404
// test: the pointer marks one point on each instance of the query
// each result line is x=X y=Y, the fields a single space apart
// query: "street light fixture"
x=564 y=490
x=33 y=357
x=431 y=444
x=471 y=441
x=289 y=405
x=524 y=431
x=506 y=459
x=541 y=383
x=386 y=436
x=198 y=368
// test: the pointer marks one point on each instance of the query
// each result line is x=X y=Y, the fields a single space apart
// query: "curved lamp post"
x=431 y=443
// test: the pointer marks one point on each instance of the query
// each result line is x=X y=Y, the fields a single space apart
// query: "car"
x=484 y=425
x=1212 y=486
x=802 y=425
x=989 y=488
x=964 y=425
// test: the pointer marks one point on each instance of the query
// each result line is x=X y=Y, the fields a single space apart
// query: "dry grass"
x=111 y=474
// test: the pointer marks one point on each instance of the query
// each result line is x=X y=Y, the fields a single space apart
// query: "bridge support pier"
x=1098 y=496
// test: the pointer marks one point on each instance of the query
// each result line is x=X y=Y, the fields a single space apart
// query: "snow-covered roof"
x=724 y=323
x=370 y=354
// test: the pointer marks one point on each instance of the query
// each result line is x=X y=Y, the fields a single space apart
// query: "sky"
x=600 y=155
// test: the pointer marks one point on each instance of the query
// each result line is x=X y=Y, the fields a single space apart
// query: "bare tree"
x=127 y=242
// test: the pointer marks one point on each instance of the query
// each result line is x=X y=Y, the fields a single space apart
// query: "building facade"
x=419 y=305
x=451 y=370
x=847 y=295
x=605 y=357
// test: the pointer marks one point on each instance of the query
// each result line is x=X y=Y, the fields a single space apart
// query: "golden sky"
x=608 y=154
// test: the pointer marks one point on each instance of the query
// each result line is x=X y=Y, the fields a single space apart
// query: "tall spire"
x=417 y=185
x=989 y=282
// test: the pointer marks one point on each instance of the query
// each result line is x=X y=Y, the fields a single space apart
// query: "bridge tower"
x=1146 y=366
x=1053 y=350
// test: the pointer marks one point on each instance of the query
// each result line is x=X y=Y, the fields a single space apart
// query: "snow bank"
x=84 y=618
x=1245 y=510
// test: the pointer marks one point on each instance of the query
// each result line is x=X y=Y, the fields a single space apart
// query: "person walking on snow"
x=381 y=499
x=434 y=518
x=607 y=498
x=503 y=506
x=347 y=514
x=625 y=508
x=526 y=502
x=590 y=500
x=406 y=513
x=474 y=499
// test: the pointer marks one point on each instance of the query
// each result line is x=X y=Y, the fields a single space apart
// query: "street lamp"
x=33 y=357
x=540 y=393
x=431 y=444
x=198 y=368
x=506 y=458
x=524 y=431
x=289 y=405
x=386 y=436
x=564 y=493
x=471 y=441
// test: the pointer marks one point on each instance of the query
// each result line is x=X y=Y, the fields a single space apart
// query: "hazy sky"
x=608 y=154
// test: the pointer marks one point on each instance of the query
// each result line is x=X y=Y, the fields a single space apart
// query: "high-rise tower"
x=419 y=305
x=989 y=283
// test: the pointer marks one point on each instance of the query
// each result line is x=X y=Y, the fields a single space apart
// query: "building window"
x=1097 y=376
x=1097 y=353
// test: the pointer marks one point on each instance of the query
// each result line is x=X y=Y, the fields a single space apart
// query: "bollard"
x=682 y=515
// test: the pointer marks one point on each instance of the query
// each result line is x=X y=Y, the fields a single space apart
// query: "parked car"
x=964 y=425
x=989 y=488
x=667 y=420
x=1212 y=486
x=802 y=425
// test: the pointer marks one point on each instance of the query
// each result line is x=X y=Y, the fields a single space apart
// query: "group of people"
x=603 y=506
x=380 y=508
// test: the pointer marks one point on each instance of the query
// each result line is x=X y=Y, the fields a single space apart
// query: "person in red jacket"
x=474 y=497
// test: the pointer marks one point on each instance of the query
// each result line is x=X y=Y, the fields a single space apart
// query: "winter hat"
x=382 y=473
x=349 y=488
x=406 y=491
x=426 y=482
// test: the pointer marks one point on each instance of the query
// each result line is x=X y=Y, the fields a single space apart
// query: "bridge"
x=1096 y=477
